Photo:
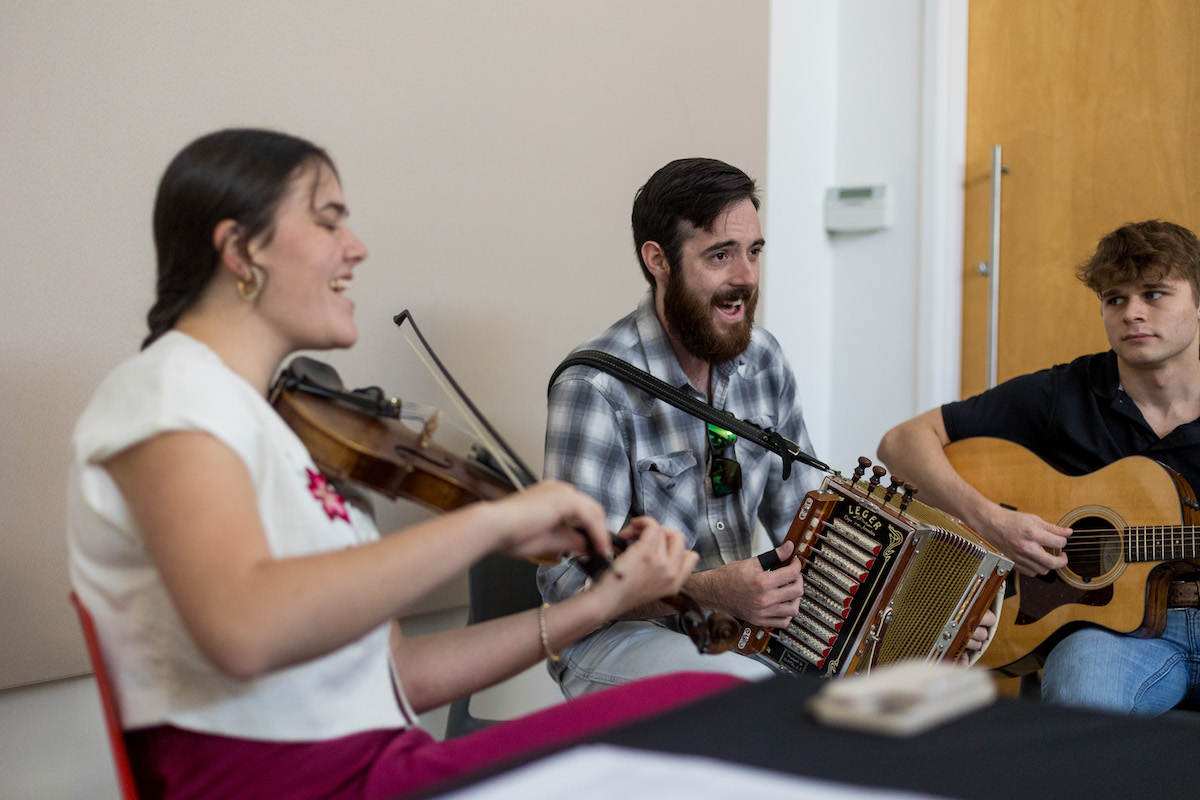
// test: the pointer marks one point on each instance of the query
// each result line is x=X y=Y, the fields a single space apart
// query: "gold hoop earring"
x=250 y=290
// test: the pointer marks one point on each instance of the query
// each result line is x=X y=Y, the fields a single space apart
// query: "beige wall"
x=489 y=151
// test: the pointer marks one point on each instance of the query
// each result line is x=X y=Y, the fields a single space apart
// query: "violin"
x=357 y=436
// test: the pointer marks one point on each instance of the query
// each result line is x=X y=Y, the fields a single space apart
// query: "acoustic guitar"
x=1135 y=529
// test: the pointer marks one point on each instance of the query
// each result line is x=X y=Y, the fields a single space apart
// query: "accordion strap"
x=770 y=440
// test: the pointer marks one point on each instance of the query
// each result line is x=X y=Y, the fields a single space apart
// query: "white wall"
x=859 y=96
x=798 y=278
x=875 y=281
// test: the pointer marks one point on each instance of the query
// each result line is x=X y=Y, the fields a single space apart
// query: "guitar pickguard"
x=1040 y=595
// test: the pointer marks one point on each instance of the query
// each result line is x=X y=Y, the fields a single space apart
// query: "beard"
x=690 y=318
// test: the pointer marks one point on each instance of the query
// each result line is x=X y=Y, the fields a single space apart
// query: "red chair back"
x=108 y=702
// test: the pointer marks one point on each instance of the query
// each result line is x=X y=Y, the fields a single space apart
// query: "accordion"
x=886 y=578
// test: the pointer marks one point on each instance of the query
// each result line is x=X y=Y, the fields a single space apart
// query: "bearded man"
x=698 y=238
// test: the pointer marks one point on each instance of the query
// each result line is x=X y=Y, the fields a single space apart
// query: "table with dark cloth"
x=1012 y=749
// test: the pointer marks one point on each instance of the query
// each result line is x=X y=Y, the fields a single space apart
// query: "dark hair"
x=1144 y=250
x=695 y=190
x=238 y=174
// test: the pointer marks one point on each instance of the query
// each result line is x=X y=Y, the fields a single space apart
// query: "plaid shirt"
x=638 y=455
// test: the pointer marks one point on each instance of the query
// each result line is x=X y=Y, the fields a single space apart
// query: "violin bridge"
x=428 y=429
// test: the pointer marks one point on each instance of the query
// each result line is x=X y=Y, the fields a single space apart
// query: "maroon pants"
x=174 y=763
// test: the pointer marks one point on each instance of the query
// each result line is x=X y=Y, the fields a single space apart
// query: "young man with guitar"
x=1093 y=415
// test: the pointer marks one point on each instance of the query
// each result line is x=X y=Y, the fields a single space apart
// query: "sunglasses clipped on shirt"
x=725 y=474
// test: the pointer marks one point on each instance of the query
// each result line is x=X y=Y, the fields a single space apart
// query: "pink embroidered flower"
x=332 y=502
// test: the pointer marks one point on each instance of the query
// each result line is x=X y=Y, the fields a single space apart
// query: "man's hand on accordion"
x=768 y=598
x=981 y=635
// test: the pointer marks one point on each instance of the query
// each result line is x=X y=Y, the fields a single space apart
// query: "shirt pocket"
x=667 y=486
x=757 y=465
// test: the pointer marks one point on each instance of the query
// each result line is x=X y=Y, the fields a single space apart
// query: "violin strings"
x=507 y=460
x=476 y=429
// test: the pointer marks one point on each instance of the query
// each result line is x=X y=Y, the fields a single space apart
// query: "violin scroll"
x=712 y=632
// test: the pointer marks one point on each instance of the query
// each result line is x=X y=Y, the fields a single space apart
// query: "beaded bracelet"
x=550 y=654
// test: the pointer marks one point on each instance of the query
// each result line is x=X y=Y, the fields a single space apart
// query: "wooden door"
x=1096 y=106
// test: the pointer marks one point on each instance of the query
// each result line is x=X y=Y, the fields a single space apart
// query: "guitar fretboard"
x=1162 y=543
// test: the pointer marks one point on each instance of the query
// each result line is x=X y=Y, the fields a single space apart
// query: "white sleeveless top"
x=178 y=384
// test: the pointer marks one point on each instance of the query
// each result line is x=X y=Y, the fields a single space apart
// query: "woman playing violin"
x=245 y=609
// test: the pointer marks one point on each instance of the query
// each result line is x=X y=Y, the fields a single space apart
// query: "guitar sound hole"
x=1094 y=549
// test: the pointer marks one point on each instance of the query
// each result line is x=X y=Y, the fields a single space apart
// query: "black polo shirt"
x=1076 y=417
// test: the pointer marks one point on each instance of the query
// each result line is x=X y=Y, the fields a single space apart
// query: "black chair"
x=498 y=586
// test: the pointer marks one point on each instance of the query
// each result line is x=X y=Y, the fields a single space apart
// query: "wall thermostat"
x=856 y=208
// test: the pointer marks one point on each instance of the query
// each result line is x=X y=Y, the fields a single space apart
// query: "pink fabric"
x=178 y=764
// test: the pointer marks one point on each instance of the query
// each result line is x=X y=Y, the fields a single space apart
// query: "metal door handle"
x=991 y=269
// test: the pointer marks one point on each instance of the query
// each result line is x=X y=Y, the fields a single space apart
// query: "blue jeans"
x=1095 y=668
x=633 y=649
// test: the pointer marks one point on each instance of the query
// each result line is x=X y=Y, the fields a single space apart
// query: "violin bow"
x=710 y=633
x=517 y=472
x=526 y=476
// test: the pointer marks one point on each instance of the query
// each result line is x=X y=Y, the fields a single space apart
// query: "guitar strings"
x=1166 y=539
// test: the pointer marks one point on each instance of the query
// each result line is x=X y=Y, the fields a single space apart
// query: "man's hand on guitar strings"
x=1034 y=545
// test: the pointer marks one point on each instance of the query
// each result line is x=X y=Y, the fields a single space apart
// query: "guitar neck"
x=1162 y=543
